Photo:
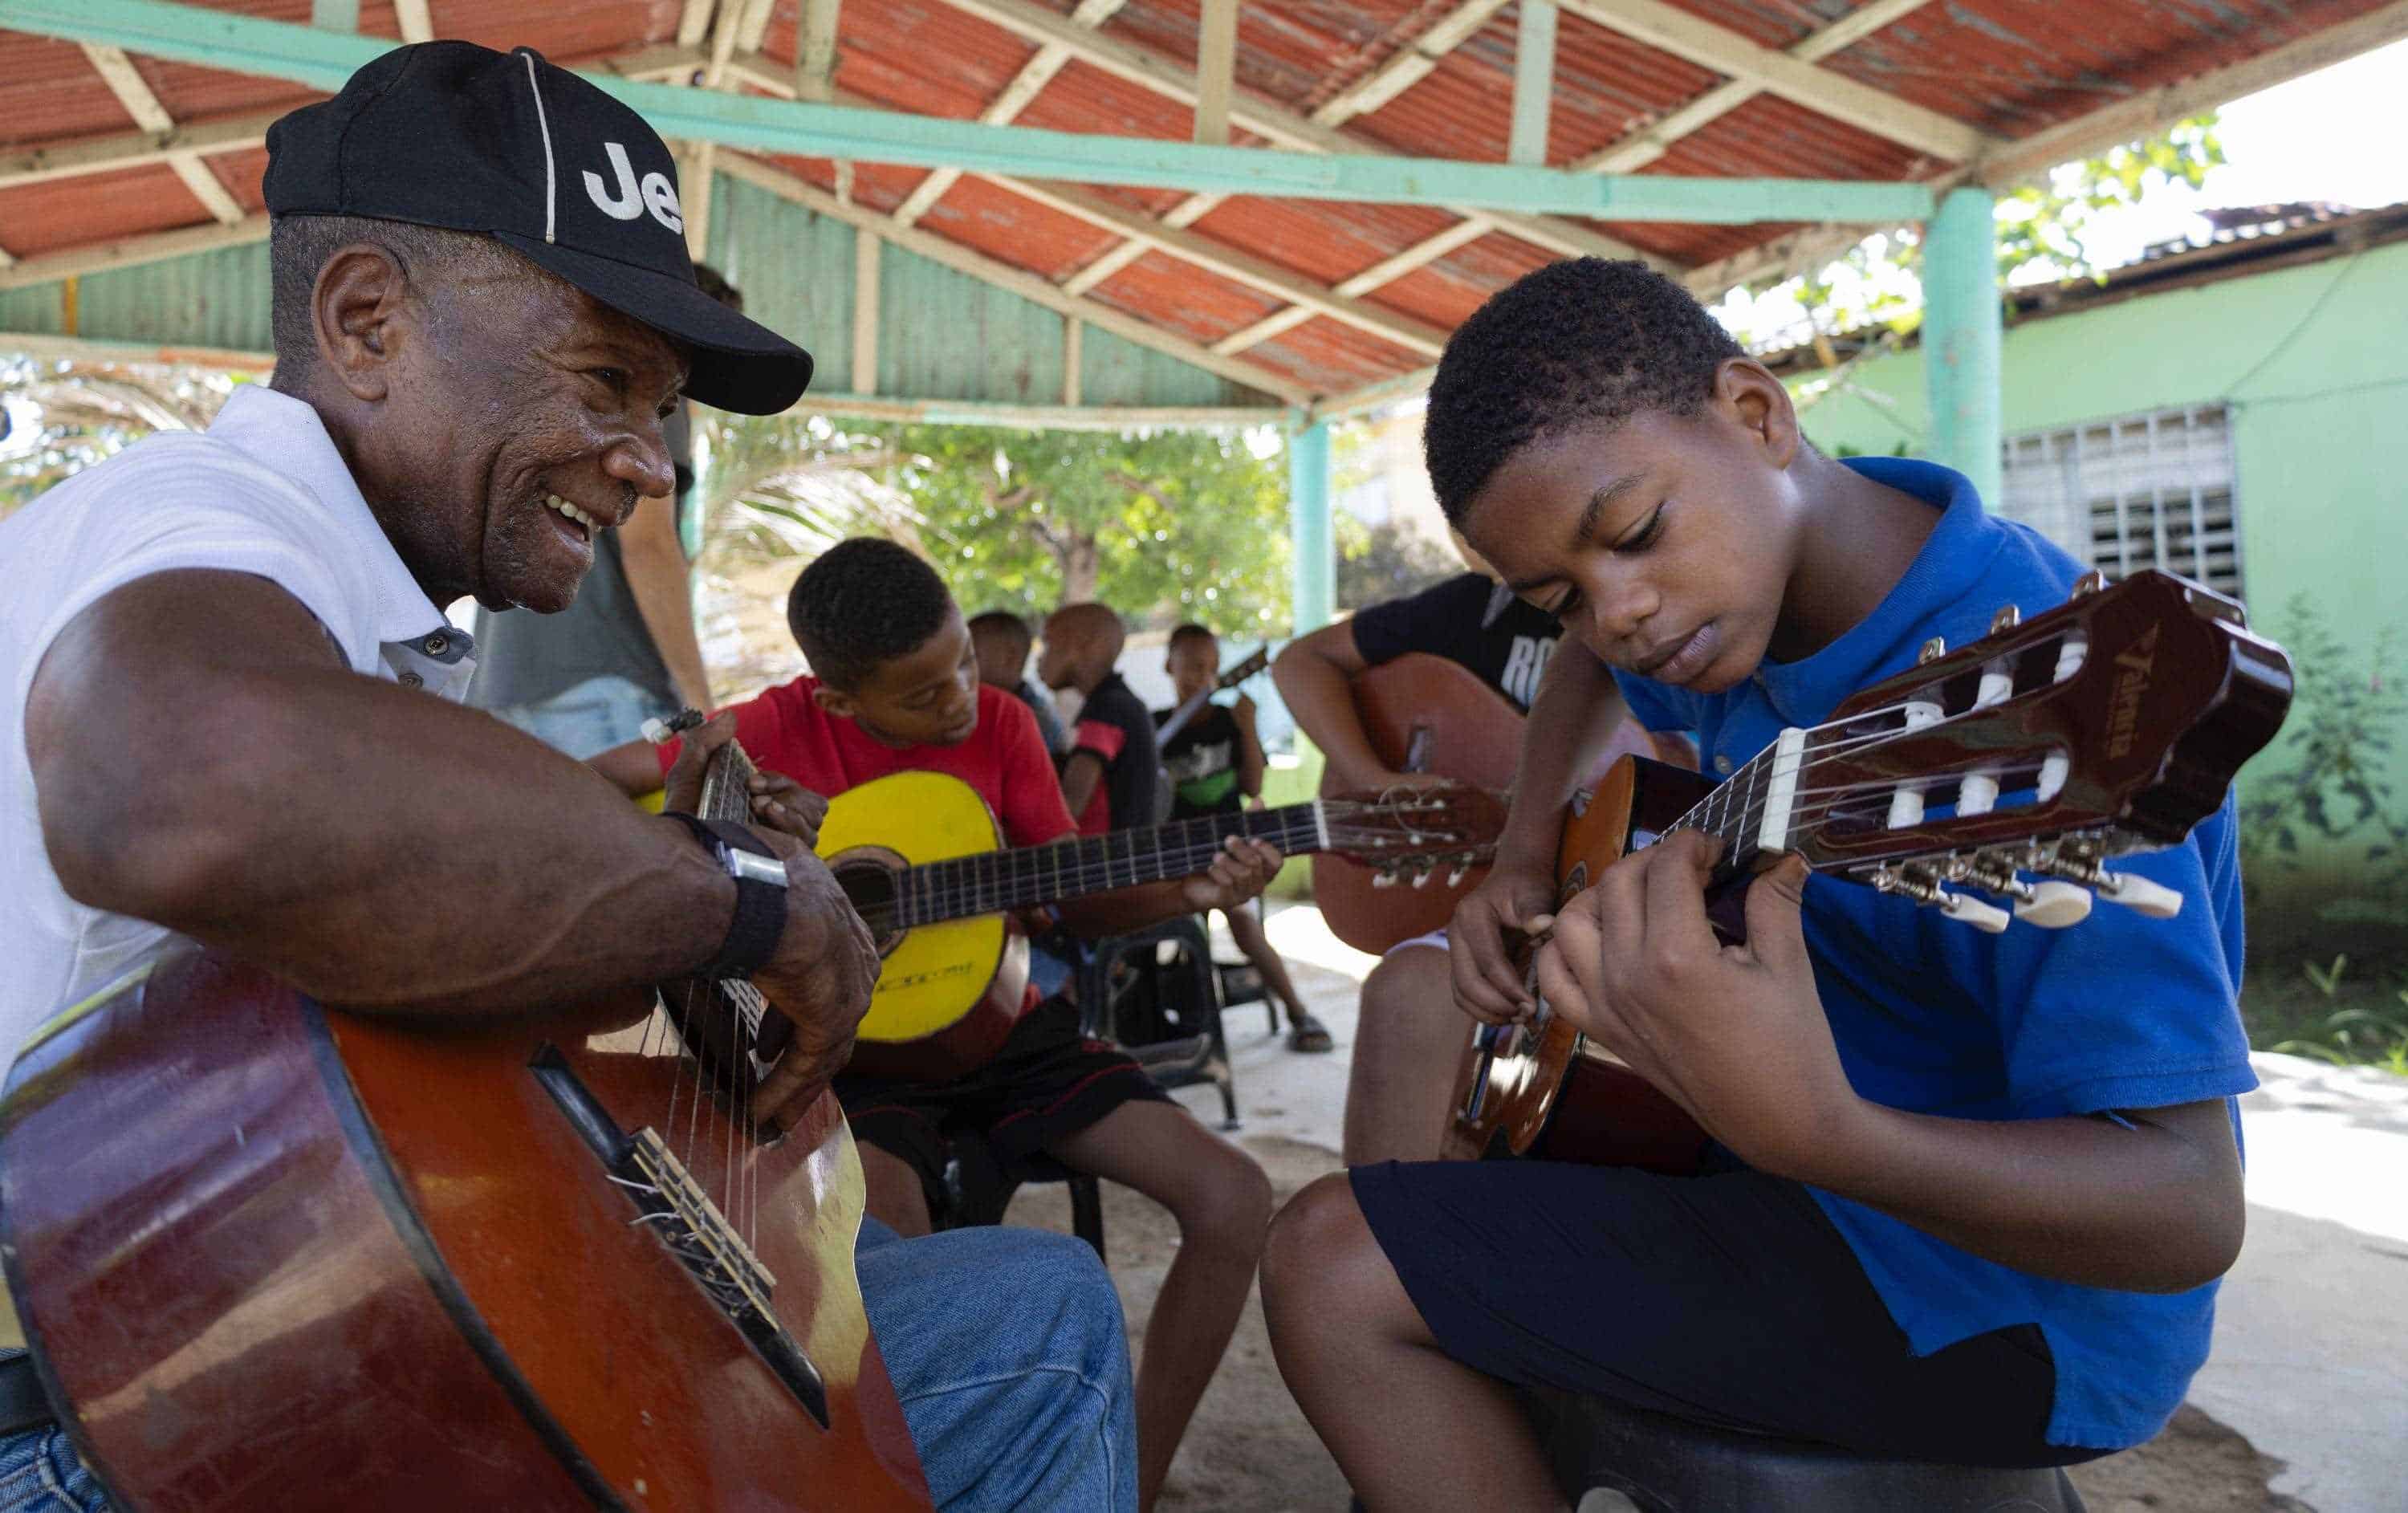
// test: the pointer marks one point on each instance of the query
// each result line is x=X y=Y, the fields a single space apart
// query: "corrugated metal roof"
x=2011 y=67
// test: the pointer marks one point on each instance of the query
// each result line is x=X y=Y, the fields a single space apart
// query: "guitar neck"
x=994 y=882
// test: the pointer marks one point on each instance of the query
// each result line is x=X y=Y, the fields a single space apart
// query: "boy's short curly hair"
x=860 y=603
x=1573 y=342
x=1190 y=630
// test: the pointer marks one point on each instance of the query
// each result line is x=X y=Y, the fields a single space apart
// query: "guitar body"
x=270 y=1256
x=949 y=991
x=922 y=858
x=1423 y=714
x=1549 y=1092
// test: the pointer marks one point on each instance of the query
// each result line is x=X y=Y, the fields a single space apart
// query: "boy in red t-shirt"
x=898 y=690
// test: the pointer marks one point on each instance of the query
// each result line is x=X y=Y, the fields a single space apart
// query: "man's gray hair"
x=298 y=247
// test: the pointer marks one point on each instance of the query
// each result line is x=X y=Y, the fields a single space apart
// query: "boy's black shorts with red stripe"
x=1046 y=1082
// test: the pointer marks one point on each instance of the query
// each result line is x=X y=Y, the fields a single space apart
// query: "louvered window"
x=2154 y=490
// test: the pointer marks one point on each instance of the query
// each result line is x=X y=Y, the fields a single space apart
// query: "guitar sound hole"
x=868 y=877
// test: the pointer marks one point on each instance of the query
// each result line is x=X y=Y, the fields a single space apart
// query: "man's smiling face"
x=530 y=418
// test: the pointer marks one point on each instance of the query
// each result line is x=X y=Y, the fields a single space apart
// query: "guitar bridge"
x=682 y=1216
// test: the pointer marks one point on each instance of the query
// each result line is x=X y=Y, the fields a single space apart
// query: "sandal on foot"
x=1308 y=1034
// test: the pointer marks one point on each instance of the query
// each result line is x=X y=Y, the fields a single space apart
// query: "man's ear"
x=361 y=311
x=1759 y=403
x=836 y=701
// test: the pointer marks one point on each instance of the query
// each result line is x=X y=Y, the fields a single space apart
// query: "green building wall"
x=2311 y=362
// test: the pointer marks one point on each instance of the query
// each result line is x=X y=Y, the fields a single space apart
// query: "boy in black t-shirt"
x=1408 y=1036
x=1214 y=762
x=1108 y=778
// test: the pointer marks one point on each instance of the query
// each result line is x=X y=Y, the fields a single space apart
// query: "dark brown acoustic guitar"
x=1424 y=713
x=1995 y=783
x=270 y=1255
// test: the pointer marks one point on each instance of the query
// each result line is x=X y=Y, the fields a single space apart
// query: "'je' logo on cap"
x=655 y=194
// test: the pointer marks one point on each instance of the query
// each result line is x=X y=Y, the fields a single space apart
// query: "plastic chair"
x=1155 y=993
x=1660 y=1465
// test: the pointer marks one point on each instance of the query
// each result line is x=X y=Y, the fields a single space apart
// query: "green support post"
x=1312 y=538
x=1962 y=332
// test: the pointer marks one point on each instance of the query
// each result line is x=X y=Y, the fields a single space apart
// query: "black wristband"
x=760 y=904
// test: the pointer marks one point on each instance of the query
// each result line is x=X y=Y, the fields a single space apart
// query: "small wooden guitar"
x=922 y=858
x=273 y=1255
x=1424 y=713
x=1994 y=783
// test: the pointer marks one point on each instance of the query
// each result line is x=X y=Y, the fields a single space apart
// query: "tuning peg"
x=2007 y=619
x=2088 y=583
x=1385 y=878
x=1461 y=870
x=1987 y=917
x=2053 y=906
x=1421 y=878
x=2154 y=900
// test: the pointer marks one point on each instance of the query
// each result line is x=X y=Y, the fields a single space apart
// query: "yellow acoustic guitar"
x=922 y=858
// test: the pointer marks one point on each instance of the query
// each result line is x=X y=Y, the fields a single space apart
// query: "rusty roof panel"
x=2016 y=66
x=926 y=57
x=49 y=93
x=1015 y=229
x=1182 y=297
x=62 y=213
x=241 y=173
x=1323 y=241
x=1286 y=50
x=1333 y=358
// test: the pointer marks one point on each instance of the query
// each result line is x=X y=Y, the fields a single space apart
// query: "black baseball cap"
x=453 y=135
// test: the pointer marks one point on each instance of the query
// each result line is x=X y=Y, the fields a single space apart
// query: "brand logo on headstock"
x=2134 y=663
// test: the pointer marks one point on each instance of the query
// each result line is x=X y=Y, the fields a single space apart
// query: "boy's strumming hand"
x=1481 y=940
x=1242 y=870
x=1735 y=1034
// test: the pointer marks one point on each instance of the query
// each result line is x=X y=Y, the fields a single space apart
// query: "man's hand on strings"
x=778 y=801
x=1735 y=1034
x=820 y=979
x=1242 y=870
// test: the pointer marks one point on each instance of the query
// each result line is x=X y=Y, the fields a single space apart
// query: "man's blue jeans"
x=1005 y=1344
x=587 y=719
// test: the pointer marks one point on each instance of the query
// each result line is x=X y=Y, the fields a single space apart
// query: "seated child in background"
x=1215 y=764
x=1109 y=776
x=1972 y=1192
x=896 y=688
x=1002 y=641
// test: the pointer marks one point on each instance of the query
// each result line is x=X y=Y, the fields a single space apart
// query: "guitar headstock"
x=1414 y=832
x=2018 y=764
x=1260 y=659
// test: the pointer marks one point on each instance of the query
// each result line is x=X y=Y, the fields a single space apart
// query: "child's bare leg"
x=1247 y=931
x=1411 y=1426
x=1408 y=1039
x=1223 y=1203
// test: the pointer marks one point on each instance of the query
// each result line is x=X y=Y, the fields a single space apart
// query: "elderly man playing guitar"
x=219 y=651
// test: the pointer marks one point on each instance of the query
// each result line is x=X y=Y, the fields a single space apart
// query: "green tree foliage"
x=1379 y=562
x=1162 y=526
x=57 y=417
x=2046 y=230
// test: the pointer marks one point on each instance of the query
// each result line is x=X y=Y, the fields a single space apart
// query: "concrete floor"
x=2311 y=1355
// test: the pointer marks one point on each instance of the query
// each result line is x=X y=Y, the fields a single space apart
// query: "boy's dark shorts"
x=1727 y=1299
x=1046 y=1082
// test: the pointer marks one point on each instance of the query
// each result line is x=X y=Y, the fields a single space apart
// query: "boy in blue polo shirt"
x=1970 y=1193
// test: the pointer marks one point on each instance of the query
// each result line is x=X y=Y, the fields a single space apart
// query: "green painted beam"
x=1963 y=330
x=323 y=59
x=1311 y=535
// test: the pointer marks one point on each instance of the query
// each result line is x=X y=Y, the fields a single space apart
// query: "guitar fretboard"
x=994 y=882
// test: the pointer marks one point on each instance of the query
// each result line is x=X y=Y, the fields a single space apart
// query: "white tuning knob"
x=1421 y=879
x=1987 y=917
x=2153 y=899
x=2053 y=906
x=1384 y=879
